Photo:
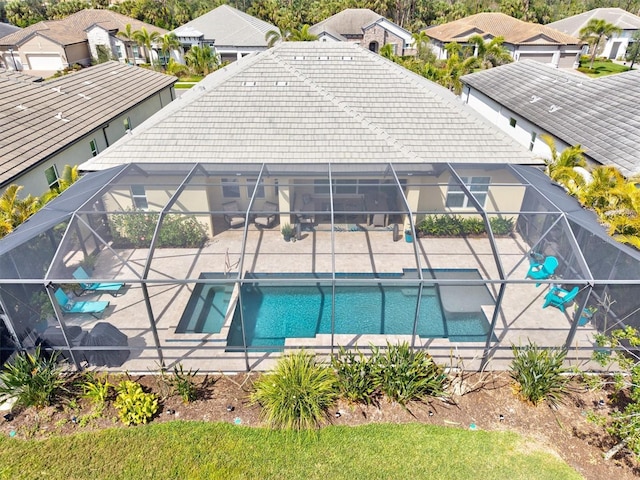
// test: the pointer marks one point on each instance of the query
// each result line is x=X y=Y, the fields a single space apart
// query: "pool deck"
x=368 y=251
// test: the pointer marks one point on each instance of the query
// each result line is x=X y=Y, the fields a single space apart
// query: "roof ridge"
x=366 y=123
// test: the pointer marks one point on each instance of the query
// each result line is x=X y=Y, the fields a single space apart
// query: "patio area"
x=434 y=255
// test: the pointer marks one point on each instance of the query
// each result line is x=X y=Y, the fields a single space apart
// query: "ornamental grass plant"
x=297 y=393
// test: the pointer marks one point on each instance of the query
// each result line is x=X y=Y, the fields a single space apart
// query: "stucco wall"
x=78 y=53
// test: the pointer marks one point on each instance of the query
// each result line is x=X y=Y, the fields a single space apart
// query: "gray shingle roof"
x=6 y=29
x=349 y=21
x=599 y=114
x=71 y=29
x=19 y=75
x=315 y=102
x=87 y=99
x=229 y=27
x=617 y=16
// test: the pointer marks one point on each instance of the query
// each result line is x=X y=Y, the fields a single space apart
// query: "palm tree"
x=386 y=51
x=170 y=42
x=302 y=35
x=491 y=53
x=145 y=38
x=421 y=41
x=593 y=32
x=274 y=36
x=633 y=51
x=13 y=210
x=561 y=166
x=201 y=60
x=127 y=34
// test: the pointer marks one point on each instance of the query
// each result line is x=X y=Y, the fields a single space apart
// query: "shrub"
x=134 y=229
x=183 y=384
x=357 y=376
x=33 y=379
x=96 y=389
x=134 y=406
x=297 y=394
x=405 y=374
x=538 y=373
x=501 y=225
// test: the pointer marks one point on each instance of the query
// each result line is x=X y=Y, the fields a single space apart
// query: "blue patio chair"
x=69 y=306
x=544 y=270
x=559 y=297
x=111 y=288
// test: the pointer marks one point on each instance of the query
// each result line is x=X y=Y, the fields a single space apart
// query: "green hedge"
x=135 y=230
x=457 y=226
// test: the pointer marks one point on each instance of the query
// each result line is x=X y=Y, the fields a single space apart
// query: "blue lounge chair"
x=559 y=297
x=544 y=270
x=69 y=306
x=111 y=288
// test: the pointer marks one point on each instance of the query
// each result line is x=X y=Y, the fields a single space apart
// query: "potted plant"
x=44 y=309
x=287 y=232
x=587 y=315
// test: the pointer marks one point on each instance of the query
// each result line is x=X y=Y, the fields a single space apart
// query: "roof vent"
x=534 y=99
x=324 y=57
x=347 y=58
x=282 y=84
x=248 y=84
x=57 y=89
x=554 y=108
x=21 y=107
x=298 y=57
x=86 y=97
x=87 y=82
x=59 y=117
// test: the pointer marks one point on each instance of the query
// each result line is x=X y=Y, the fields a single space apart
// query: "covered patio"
x=432 y=254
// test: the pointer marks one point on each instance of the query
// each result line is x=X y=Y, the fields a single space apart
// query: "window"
x=93 y=145
x=139 y=197
x=230 y=188
x=532 y=142
x=373 y=46
x=51 y=174
x=251 y=183
x=136 y=52
x=479 y=186
x=118 y=51
x=127 y=124
x=512 y=122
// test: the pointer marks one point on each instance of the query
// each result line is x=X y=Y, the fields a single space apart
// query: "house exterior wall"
x=621 y=43
x=40 y=45
x=78 y=53
x=99 y=36
x=383 y=37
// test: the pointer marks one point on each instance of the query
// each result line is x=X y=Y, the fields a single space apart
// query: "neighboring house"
x=615 y=46
x=65 y=121
x=57 y=44
x=366 y=28
x=525 y=41
x=527 y=99
x=230 y=32
x=286 y=105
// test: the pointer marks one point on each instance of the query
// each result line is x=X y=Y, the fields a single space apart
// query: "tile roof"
x=599 y=114
x=315 y=102
x=617 y=16
x=30 y=121
x=514 y=31
x=71 y=29
x=6 y=29
x=19 y=75
x=229 y=27
x=349 y=21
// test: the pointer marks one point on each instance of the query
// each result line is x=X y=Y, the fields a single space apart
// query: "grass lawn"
x=183 y=85
x=195 y=450
x=601 y=68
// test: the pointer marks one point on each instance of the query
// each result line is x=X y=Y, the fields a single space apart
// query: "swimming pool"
x=274 y=312
x=207 y=307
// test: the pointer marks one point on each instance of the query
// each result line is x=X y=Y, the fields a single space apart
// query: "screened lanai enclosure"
x=225 y=267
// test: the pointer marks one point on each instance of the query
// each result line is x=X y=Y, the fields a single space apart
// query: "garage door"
x=538 y=57
x=567 y=60
x=45 y=61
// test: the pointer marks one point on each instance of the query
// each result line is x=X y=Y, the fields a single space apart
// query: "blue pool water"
x=207 y=307
x=274 y=312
